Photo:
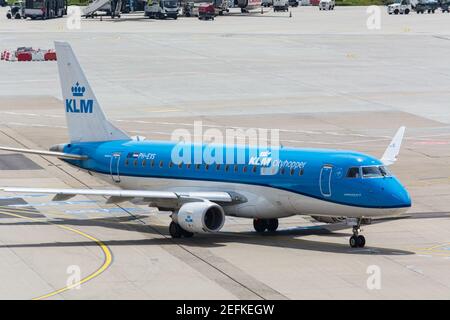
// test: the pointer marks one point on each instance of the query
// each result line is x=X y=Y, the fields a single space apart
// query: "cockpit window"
x=353 y=172
x=371 y=172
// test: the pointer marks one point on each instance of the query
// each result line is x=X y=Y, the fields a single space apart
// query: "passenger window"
x=282 y=171
x=180 y=165
x=206 y=166
x=292 y=172
x=244 y=169
x=254 y=169
x=161 y=163
x=152 y=163
x=218 y=167
x=197 y=166
x=170 y=164
x=143 y=163
x=227 y=167
x=300 y=172
x=235 y=168
x=126 y=162
x=188 y=166
x=353 y=172
x=135 y=163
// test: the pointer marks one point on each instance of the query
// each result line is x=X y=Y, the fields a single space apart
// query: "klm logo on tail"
x=78 y=104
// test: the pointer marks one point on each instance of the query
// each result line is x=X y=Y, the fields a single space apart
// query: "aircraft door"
x=325 y=180
x=114 y=167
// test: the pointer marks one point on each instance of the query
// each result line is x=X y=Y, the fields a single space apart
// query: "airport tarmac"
x=322 y=78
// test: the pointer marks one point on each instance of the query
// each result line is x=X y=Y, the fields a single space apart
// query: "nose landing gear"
x=357 y=240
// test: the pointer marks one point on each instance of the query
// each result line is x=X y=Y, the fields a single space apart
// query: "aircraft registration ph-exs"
x=325 y=183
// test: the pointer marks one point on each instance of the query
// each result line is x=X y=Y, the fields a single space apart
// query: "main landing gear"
x=177 y=232
x=357 y=240
x=262 y=225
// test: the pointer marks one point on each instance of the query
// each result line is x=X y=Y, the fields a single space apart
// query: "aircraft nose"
x=401 y=197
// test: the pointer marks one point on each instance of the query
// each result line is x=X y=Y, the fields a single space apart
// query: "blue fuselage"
x=336 y=176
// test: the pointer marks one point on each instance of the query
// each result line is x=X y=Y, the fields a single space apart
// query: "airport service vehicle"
x=326 y=4
x=206 y=11
x=267 y=3
x=45 y=9
x=429 y=6
x=3 y=3
x=445 y=6
x=399 y=7
x=247 y=5
x=280 y=5
x=16 y=11
x=293 y=3
x=161 y=9
x=267 y=184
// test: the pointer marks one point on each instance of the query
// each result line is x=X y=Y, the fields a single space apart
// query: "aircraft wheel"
x=360 y=241
x=260 y=225
x=272 y=225
x=175 y=230
x=353 y=240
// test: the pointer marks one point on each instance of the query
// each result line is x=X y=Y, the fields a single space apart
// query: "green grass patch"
x=78 y=2
x=362 y=2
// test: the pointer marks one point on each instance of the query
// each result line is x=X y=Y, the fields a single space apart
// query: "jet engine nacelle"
x=200 y=217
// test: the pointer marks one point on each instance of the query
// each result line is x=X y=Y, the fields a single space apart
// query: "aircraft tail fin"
x=85 y=118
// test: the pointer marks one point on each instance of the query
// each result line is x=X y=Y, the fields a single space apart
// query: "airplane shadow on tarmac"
x=286 y=238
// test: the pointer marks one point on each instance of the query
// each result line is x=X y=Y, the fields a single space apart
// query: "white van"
x=327 y=4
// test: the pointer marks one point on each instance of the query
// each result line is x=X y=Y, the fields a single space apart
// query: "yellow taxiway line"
x=106 y=252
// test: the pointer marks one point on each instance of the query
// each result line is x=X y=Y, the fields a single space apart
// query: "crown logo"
x=78 y=91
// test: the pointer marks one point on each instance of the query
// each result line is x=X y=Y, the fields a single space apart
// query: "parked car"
x=400 y=7
x=429 y=6
x=445 y=6
x=293 y=3
x=267 y=3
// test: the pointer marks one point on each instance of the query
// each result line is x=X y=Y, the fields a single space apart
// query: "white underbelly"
x=262 y=201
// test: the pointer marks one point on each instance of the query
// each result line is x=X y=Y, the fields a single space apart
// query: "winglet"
x=392 y=151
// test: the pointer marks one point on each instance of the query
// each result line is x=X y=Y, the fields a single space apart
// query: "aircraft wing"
x=167 y=199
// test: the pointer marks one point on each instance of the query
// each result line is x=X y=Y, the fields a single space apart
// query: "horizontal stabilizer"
x=61 y=155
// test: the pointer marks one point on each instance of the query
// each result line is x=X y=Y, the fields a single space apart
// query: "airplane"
x=307 y=181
